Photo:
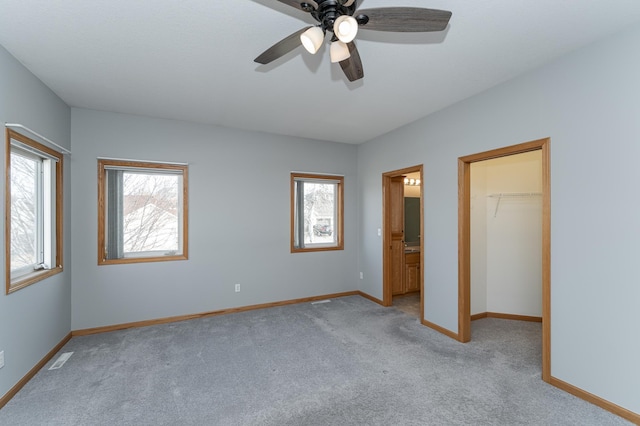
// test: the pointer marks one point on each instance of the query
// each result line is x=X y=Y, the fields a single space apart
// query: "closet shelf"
x=501 y=195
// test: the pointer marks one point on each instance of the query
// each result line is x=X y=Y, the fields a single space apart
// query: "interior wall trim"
x=506 y=316
x=16 y=388
x=440 y=329
x=373 y=299
x=596 y=400
x=146 y=323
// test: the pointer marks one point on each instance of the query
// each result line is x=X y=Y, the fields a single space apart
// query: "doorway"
x=464 y=242
x=402 y=240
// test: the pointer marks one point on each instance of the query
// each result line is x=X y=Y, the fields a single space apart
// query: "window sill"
x=141 y=259
x=31 y=278
x=312 y=249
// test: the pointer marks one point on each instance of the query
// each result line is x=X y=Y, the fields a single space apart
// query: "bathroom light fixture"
x=412 y=182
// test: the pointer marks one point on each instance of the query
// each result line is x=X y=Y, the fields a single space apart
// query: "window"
x=33 y=229
x=316 y=212
x=142 y=211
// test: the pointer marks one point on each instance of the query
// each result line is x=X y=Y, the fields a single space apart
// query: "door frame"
x=387 y=296
x=464 y=241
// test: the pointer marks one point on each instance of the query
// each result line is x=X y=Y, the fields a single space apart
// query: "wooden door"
x=393 y=249
x=396 y=204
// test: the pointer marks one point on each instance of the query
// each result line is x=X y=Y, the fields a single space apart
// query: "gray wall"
x=588 y=103
x=239 y=213
x=33 y=320
x=239 y=221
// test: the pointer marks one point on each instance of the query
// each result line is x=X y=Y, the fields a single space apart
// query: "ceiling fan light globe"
x=312 y=39
x=345 y=28
x=339 y=51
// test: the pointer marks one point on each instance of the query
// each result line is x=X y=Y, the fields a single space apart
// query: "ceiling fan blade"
x=404 y=19
x=281 y=48
x=352 y=66
x=298 y=4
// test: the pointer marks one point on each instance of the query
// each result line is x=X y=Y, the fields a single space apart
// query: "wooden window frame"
x=38 y=275
x=339 y=227
x=103 y=164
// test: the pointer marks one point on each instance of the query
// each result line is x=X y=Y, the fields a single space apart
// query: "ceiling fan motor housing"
x=330 y=10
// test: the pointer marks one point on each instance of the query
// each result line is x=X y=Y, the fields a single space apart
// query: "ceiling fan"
x=342 y=18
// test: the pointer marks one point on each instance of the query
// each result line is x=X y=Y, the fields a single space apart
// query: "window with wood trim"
x=142 y=211
x=316 y=212
x=33 y=211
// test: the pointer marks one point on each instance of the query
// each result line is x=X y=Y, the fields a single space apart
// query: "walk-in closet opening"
x=504 y=238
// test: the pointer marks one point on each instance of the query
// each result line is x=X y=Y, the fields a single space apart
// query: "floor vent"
x=61 y=360
x=321 y=301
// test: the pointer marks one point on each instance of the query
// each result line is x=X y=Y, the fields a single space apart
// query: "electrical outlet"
x=1 y=359
x=361 y=276
x=237 y=288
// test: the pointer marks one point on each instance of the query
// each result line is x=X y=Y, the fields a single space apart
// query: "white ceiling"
x=193 y=59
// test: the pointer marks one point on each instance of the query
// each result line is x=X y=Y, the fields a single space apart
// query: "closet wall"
x=506 y=235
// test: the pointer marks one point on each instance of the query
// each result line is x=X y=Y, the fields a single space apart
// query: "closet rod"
x=511 y=194
x=20 y=126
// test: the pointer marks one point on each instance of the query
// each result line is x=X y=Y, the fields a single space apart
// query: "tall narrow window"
x=33 y=211
x=316 y=212
x=142 y=214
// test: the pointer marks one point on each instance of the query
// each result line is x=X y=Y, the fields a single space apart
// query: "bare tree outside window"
x=24 y=214
x=33 y=202
x=319 y=211
x=150 y=216
x=316 y=212
x=142 y=211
